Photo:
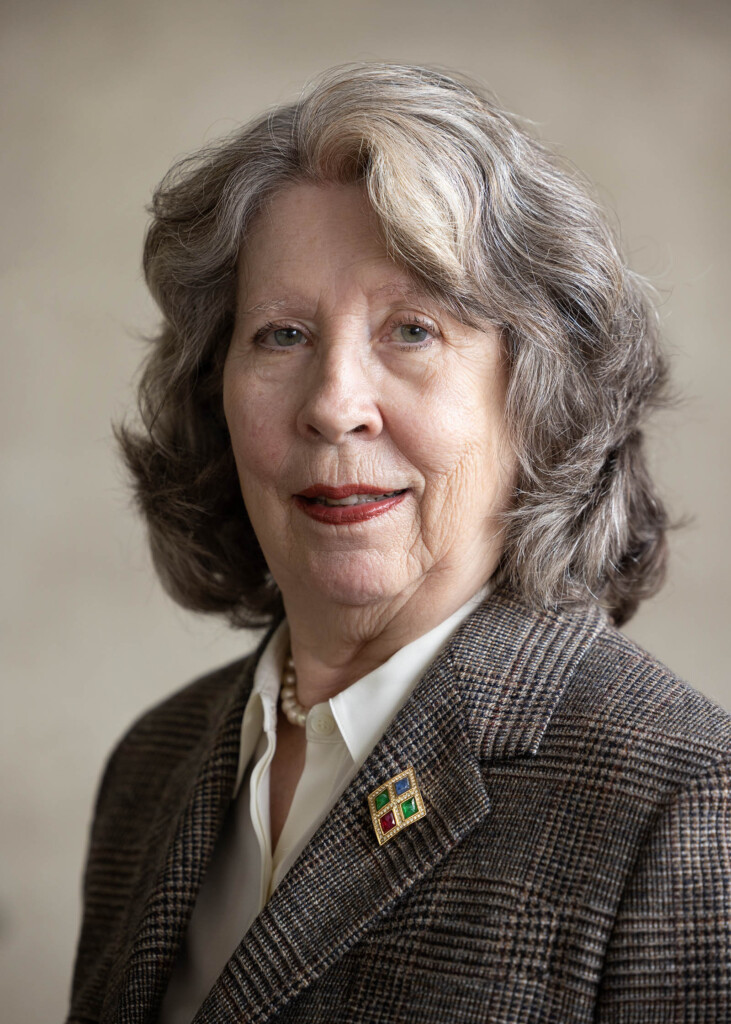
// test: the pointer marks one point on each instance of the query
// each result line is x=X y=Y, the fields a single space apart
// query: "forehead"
x=313 y=238
x=302 y=207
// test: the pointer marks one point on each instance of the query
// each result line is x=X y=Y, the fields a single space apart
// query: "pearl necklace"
x=294 y=712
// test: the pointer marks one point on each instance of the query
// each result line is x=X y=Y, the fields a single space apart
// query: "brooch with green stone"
x=395 y=804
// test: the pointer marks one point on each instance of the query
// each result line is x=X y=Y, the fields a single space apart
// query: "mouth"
x=348 y=504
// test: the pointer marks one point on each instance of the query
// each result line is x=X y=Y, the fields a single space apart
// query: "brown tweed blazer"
x=574 y=863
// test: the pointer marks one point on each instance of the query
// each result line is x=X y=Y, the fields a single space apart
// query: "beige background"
x=99 y=98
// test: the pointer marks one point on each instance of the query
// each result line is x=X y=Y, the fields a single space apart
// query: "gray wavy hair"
x=500 y=231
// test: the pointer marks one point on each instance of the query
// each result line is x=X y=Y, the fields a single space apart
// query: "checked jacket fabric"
x=573 y=863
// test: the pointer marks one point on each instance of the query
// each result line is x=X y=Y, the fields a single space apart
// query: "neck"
x=335 y=644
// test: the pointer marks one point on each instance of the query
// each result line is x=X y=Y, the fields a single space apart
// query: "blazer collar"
x=490 y=694
x=511 y=666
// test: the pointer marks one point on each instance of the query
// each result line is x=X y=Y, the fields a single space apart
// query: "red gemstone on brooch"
x=388 y=822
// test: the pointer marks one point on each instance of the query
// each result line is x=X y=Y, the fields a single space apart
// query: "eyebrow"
x=270 y=306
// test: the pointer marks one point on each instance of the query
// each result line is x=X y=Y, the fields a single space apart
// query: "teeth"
x=355 y=499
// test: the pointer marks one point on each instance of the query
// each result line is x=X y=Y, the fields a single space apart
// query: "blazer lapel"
x=491 y=694
x=343 y=879
x=179 y=854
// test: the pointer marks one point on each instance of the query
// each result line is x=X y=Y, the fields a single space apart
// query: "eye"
x=287 y=337
x=279 y=338
x=413 y=333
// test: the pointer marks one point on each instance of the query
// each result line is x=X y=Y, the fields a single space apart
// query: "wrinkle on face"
x=317 y=262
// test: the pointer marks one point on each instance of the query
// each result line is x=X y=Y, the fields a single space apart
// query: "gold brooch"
x=395 y=804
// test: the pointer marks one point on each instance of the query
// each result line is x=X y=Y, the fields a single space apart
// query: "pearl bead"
x=294 y=712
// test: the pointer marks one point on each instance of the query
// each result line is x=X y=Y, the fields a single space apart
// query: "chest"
x=481 y=938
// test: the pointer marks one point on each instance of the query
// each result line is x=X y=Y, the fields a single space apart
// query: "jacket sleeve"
x=669 y=955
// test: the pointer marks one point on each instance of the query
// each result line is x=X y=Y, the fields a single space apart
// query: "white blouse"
x=244 y=870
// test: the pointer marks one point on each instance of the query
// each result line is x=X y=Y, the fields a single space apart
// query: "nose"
x=340 y=399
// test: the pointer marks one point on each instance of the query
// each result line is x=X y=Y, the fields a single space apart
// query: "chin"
x=355 y=581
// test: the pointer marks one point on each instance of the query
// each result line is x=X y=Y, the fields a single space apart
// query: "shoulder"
x=172 y=731
x=626 y=686
x=569 y=684
x=665 y=752
x=628 y=709
x=568 y=688
x=189 y=709
x=149 y=774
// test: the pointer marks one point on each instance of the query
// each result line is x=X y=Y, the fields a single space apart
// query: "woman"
x=394 y=412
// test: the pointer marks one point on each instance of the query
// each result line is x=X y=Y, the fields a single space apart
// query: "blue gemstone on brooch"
x=402 y=785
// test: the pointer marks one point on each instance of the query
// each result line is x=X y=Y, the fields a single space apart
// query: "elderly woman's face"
x=366 y=423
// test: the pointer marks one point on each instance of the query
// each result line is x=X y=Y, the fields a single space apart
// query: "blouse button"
x=323 y=723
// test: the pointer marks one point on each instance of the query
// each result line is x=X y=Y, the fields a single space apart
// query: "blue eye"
x=413 y=334
x=287 y=337
x=279 y=339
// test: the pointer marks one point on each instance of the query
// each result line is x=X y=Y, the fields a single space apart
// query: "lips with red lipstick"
x=352 y=503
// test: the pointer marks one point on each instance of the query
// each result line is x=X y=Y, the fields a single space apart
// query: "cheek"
x=257 y=437
x=459 y=444
x=447 y=437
